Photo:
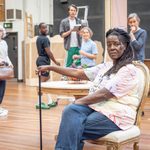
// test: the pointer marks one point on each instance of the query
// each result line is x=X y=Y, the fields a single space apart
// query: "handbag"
x=6 y=72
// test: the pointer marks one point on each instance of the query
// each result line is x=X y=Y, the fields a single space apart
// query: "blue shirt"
x=91 y=48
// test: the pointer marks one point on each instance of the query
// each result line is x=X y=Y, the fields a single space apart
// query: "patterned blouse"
x=124 y=85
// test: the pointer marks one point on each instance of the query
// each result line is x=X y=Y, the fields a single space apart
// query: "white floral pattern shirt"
x=124 y=86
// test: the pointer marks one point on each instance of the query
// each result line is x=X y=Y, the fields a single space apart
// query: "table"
x=65 y=88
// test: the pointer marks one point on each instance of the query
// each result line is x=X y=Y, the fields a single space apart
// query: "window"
x=82 y=12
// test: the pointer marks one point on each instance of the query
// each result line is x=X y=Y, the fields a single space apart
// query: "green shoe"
x=43 y=106
x=53 y=104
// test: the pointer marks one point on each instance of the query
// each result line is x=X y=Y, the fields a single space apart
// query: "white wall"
x=13 y=4
x=41 y=10
x=51 y=8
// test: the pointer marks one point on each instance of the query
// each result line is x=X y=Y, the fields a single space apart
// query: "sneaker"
x=53 y=104
x=43 y=106
x=3 y=112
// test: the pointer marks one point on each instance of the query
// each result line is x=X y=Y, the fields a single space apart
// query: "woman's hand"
x=11 y=66
x=57 y=63
x=133 y=29
x=42 y=69
x=75 y=57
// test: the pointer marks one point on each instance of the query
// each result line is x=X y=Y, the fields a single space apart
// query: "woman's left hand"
x=11 y=66
x=42 y=69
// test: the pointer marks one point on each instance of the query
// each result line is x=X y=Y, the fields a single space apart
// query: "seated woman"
x=112 y=101
x=88 y=50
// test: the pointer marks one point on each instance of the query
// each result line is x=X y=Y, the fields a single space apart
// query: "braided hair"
x=127 y=56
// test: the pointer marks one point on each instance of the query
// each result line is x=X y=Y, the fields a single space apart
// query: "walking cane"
x=40 y=112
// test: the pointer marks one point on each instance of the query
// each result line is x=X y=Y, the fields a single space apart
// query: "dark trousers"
x=2 y=89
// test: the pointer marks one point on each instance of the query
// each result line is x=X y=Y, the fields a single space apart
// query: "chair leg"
x=109 y=148
x=114 y=147
x=136 y=146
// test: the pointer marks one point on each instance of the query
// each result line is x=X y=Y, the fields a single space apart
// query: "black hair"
x=127 y=56
x=40 y=25
x=72 y=5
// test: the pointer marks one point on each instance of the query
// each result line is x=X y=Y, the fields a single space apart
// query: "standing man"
x=45 y=55
x=72 y=39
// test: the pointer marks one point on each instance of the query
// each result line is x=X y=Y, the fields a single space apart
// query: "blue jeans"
x=79 y=123
x=2 y=89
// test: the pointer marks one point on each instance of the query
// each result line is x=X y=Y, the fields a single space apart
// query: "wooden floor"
x=20 y=130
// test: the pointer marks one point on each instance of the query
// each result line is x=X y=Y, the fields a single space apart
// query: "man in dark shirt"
x=44 y=58
x=44 y=52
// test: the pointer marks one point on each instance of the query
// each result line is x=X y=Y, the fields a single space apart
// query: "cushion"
x=120 y=136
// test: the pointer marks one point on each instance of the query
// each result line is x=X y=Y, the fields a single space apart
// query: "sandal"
x=53 y=104
x=43 y=106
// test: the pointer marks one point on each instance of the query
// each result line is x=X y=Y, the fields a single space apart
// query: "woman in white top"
x=3 y=59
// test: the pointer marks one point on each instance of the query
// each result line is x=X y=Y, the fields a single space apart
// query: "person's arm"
x=138 y=43
x=95 y=97
x=7 y=57
x=133 y=29
x=63 y=32
x=125 y=80
x=51 y=56
x=74 y=57
x=9 y=62
x=77 y=73
x=88 y=55
x=67 y=33
x=92 y=54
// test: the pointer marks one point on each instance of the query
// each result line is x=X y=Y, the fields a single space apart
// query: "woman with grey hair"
x=4 y=59
x=138 y=37
x=88 y=51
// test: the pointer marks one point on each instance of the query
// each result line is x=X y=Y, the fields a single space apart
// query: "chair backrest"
x=99 y=58
x=143 y=89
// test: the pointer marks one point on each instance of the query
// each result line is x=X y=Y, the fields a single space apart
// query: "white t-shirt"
x=74 y=40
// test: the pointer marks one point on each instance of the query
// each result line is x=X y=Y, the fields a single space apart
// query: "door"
x=12 y=42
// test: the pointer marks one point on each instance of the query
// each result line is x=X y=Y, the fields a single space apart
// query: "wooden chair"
x=116 y=140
